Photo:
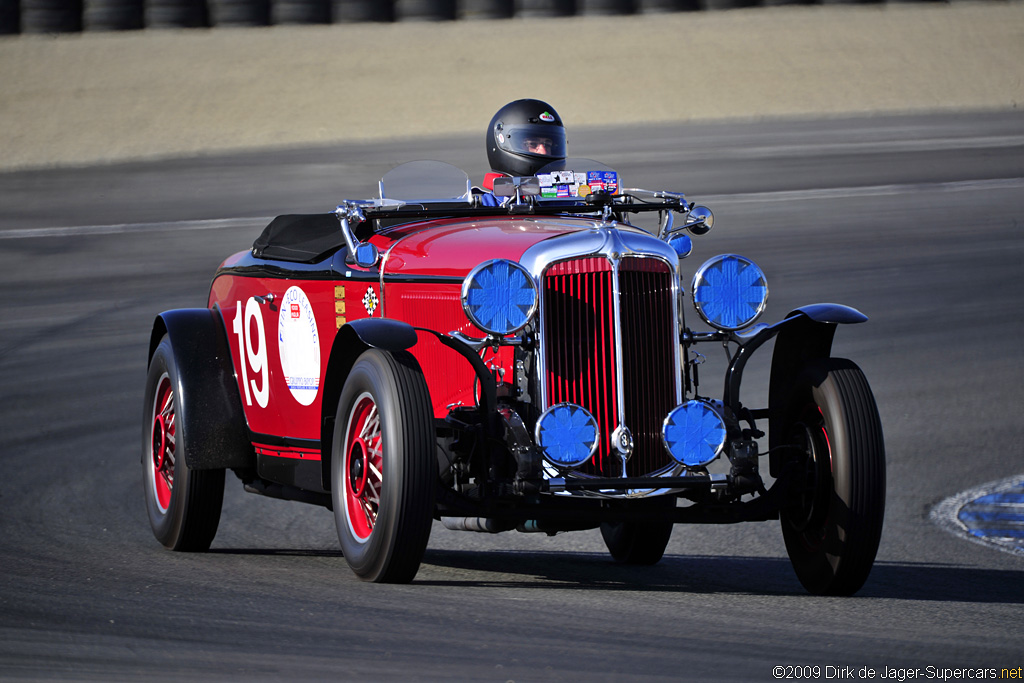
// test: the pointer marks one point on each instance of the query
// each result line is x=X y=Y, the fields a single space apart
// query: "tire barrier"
x=10 y=17
x=300 y=12
x=610 y=6
x=426 y=10
x=488 y=9
x=352 y=11
x=546 y=8
x=51 y=16
x=61 y=16
x=113 y=15
x=239 y=12
x=727 y=4
x=176 y=14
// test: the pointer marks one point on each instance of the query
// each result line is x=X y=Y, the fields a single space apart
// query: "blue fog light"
x=567 y=435
x=694 y=433
x=729 y=292
x=499 y=296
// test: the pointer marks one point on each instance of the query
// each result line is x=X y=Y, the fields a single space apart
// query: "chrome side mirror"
x=699 y=220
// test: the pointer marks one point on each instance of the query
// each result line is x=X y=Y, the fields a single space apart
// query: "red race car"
x=427 y=355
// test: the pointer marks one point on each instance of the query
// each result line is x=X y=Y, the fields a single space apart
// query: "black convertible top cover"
x=299 y=238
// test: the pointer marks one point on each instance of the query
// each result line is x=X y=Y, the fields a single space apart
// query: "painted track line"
x=748 y=197
x=119 y=228
x=867 y=191
x=991 y=514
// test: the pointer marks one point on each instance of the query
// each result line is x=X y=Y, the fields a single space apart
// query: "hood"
x=453 y=247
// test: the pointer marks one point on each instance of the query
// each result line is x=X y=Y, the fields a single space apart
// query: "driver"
x=523 y=137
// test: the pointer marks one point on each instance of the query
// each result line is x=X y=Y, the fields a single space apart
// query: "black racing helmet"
x=524 y=136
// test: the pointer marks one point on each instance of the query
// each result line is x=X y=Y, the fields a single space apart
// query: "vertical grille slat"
x=581 y=352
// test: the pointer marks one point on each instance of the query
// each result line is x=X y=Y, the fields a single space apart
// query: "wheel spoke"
x=376 y=472
x=373 y=494
x=369 y=511
x=371 y=425
x=167 y=409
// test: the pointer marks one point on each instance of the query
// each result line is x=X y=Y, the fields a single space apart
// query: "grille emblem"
x=622 y=440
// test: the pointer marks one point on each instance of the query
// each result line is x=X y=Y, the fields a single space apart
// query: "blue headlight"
x=694 y=433
x=499 y=296
x=567 y=435
x=729 y=292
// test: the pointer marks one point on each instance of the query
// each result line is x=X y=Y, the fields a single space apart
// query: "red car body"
x=342 y=361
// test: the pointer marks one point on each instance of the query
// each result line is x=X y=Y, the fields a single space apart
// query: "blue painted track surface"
x=992 y=514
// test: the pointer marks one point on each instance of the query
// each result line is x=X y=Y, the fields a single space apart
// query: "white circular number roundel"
x=299 y=346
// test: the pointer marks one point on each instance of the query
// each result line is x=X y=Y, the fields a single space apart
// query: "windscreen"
x=426 y=181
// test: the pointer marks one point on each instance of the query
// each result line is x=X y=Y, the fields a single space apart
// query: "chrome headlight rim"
x=575 y=410
x=751 y=272
x=470 y=309
x=717 y=446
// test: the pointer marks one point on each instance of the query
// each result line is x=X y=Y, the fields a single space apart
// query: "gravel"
x=79 y=99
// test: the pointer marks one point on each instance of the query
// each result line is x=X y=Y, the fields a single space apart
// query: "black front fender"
x=807 y=336
x=210 y=408
x=804 y=334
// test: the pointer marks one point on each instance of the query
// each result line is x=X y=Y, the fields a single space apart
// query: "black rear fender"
x=210 y=408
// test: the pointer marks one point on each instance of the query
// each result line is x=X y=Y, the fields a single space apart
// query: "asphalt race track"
x=916 y=221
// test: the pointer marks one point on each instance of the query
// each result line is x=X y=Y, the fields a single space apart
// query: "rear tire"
x=833 y=530
x=383 y=468
x=183 y=504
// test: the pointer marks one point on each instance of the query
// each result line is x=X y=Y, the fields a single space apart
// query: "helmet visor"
x=533 y=140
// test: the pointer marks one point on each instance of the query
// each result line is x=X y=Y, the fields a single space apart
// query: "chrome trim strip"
x=622 y=439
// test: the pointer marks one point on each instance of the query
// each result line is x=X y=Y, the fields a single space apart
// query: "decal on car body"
x=370 y=301
x=252 y=351
x=299 y=346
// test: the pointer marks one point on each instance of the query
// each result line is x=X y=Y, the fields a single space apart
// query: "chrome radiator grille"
x=583 y=354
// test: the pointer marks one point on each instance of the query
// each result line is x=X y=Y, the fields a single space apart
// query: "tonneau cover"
x=299 y=238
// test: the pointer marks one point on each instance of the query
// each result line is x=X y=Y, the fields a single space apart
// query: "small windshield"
x=426 y=181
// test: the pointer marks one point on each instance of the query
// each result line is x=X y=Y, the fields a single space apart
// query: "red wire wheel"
x=364 y=465
x=384 y=467
x=163 y=444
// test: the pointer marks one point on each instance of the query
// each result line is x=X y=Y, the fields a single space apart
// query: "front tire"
x=636 y=542
x=383 y=472
x=639 y=542
x=183 y=504
x=833 y=529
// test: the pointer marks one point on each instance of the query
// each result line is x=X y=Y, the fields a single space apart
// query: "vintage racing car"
x=420 y=356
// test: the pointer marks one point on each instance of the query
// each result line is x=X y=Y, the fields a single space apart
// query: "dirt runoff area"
x=103 y=97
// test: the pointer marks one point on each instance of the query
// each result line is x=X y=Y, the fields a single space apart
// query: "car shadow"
x=713 y=574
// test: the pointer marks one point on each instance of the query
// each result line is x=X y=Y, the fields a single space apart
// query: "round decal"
x=299 y=346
